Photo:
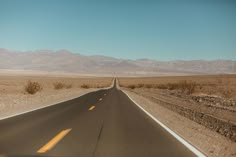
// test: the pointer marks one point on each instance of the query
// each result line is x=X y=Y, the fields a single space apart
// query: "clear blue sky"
x=132 y=29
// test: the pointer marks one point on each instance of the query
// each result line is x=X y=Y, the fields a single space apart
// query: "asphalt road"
x=105 y=123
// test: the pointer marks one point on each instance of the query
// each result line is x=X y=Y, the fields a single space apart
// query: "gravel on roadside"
x=209 y=142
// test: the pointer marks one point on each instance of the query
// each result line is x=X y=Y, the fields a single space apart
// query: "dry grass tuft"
x=68 y=86
x=162 y=86
x=140 y=85
x=149 y=86
x=216 y=85
x=32 y=87
x=184 y=86
x=131 y=86
x=85 y=86
x=58 y=85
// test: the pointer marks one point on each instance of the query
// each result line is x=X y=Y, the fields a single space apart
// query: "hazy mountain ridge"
x=65 y=61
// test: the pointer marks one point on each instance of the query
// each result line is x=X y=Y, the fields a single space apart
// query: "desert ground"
x=211 y=85
x=50 y=89
x=199 y=108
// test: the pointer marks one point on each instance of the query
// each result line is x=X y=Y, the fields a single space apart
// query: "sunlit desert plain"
x=20 y=92
x=200 y=108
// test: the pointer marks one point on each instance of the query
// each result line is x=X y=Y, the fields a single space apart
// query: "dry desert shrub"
x=149 y=86
x=131 y=86
x=188 y=87
x=58 y=85
x=84 y=86
x=162 y=86
x=140 y=85
x=32 y=87
x=185 y=86
x=202 y=84
x=68 y=86
x=173 y=86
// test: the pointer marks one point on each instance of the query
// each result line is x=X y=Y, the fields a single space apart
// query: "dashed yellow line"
x=54 y=141
x=91 y=108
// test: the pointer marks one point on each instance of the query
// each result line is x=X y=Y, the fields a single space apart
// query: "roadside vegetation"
x=33 y=87
x=33 y=84
x=60 y=85
x=213 y=85
x=187 y=87
x=85 y=86
x=208 y=100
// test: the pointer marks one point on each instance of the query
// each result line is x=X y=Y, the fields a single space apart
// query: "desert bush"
x=68 y=86
x=184 y=86
x=140 y=85
x=32 y=87
x=188 y=87
x=131 y=86
x=149 y=85
x=162 y=86
x=173 y=86
x=84 y=86
x=58 y=85
x=191 y=87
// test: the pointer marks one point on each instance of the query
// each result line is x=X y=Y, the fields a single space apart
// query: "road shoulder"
x=197 y=135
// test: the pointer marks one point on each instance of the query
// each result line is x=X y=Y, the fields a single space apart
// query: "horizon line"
x=78 y=53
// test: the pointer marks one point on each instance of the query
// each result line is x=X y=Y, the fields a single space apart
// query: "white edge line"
x=180 y=139
x=17 y=114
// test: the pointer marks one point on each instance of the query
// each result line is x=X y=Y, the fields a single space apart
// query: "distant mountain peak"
x=66 y=61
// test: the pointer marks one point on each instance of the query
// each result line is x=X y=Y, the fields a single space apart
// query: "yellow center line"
x=54 y=141
x=100 y=99
x=91 y=108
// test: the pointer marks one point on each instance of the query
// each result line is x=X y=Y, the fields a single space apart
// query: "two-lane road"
x=105 y=123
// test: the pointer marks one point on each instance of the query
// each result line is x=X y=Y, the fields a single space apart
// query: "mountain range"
x=68 y=62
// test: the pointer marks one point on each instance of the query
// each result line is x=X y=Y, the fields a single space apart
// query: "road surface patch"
x=54 y=141
x=91 y=108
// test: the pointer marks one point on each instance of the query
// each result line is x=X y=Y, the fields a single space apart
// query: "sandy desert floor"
x=14 y=99
x=206 y=117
